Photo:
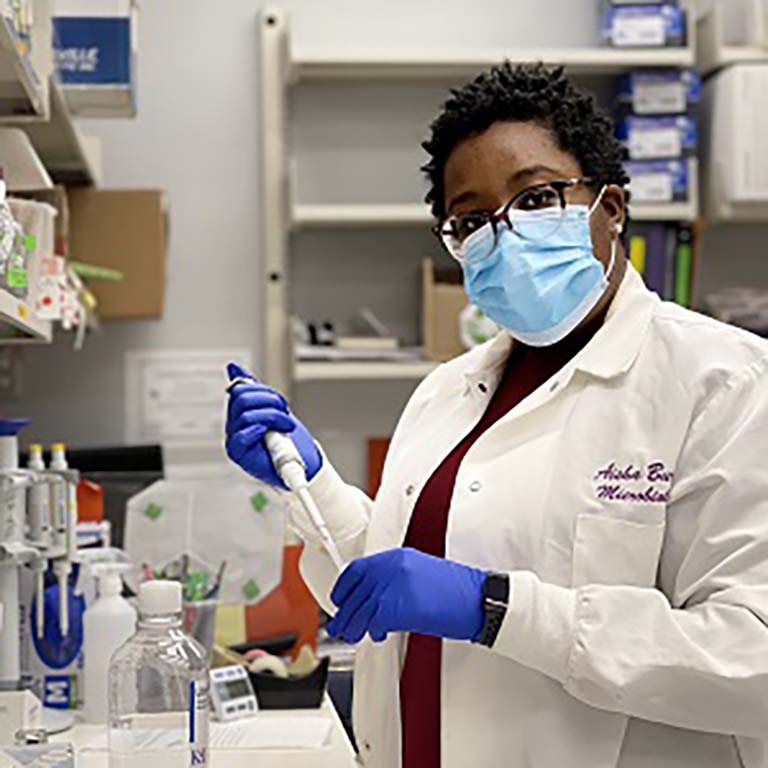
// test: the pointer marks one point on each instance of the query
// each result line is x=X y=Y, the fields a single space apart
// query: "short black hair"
x=525 y=93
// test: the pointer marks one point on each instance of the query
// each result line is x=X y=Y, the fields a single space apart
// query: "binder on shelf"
x=637 y=252
x=656 y=257
x=684 y=267
x=663 y=254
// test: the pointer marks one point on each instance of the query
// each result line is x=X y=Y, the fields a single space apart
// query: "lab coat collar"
x=610 y=353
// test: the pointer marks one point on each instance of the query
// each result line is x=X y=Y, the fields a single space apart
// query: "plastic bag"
x=222 y=539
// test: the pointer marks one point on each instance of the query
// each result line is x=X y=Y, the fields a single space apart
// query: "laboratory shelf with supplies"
x=354 y=215
x=22 y=90
x=288 y=75
x=323 y=65
x=19 y=324
x=40 y=146
x=70 y=157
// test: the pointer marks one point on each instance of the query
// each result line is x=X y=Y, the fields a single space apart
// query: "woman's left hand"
x=405 y=590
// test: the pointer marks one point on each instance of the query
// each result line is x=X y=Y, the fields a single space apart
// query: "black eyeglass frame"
x=502 y=214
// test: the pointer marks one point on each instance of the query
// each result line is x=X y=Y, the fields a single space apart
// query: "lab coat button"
x=555 y=385
x=367 y=746
x=482 y=387
x=475 y=486
x=410 y=490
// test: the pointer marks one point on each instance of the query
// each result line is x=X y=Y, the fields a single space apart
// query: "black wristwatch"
x=495 y=603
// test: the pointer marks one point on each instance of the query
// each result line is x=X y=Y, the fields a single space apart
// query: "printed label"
x=60 y=692
x=661 y=98
x=655 y=142
x=652 y=188
x=648 y=30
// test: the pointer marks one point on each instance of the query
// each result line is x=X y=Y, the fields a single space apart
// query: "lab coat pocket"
x=611 y=550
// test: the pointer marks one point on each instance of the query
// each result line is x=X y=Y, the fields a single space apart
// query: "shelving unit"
x=308 y=371
x=283 y=68
x=105 y=101
x=23 y=93
x=18 y=323
x=66 y=153
x=352 y=215
x=321 y=65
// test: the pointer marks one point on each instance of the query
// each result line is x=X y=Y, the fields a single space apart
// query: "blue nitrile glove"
x=404 y=590
x=255 y=409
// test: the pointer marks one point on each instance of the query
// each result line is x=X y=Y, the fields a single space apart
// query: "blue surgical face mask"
x=539 y=289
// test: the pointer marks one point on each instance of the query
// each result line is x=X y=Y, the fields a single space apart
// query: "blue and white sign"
x=93 y=51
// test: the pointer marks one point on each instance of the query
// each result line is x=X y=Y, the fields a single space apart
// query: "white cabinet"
x=735 y=152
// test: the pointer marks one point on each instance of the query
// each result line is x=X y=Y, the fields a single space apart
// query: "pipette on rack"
x=291 y=468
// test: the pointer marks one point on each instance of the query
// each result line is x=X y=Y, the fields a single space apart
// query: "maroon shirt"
x=526 y=370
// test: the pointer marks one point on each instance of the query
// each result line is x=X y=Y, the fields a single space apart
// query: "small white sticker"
x=654 y=143
x=661 y=98
x=652 y=188
x=646 y=30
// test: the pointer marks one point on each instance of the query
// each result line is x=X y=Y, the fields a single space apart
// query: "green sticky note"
x=259 y=501
x=30 y=243
x=251 y=590
x=17 y=277
x=153 y=511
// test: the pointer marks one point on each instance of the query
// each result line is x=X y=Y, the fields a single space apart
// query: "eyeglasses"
x=455 y=231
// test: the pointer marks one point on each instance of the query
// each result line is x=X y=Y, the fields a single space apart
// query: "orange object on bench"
x=288 y=609
x=90 y=502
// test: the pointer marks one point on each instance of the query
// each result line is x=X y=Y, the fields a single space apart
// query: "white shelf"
x=322 y=64
x=22 y=94
x=662 y=212
x=66 y=153
x=110 y=101
x=364 y=370
x=356 y=215
x=23 y=169
x=393 y=215
x=18 y=324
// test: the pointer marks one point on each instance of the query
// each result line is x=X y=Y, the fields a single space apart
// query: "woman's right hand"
x=255 y=409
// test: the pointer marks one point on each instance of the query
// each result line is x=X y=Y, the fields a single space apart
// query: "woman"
x=567 y=562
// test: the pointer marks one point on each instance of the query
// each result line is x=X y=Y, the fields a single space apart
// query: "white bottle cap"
x=159 y=597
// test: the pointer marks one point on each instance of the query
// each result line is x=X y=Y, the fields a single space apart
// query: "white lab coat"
x=627 y=498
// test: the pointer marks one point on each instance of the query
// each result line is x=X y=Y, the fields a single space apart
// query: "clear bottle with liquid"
x=158 y=689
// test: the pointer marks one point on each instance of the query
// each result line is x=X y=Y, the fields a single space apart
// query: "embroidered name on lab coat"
x=649 y=484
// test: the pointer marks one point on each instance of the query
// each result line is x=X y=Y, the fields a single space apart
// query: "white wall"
x=196 y=136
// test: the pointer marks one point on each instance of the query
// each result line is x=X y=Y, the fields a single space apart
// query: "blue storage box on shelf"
x=640 y=24
x=662 y=136
x=658 y=181
x=659 y=92
x=95 y=54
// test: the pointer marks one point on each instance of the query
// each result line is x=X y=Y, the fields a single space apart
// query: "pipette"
x=292 y=469
x=38 y=520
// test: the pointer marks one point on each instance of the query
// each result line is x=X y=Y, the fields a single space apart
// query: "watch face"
x=496 y=587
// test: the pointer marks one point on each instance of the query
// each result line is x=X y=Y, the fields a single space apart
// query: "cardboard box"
x=443 y=299
x=127 y=230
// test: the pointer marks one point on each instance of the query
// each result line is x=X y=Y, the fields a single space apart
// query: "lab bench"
x=337 y=751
